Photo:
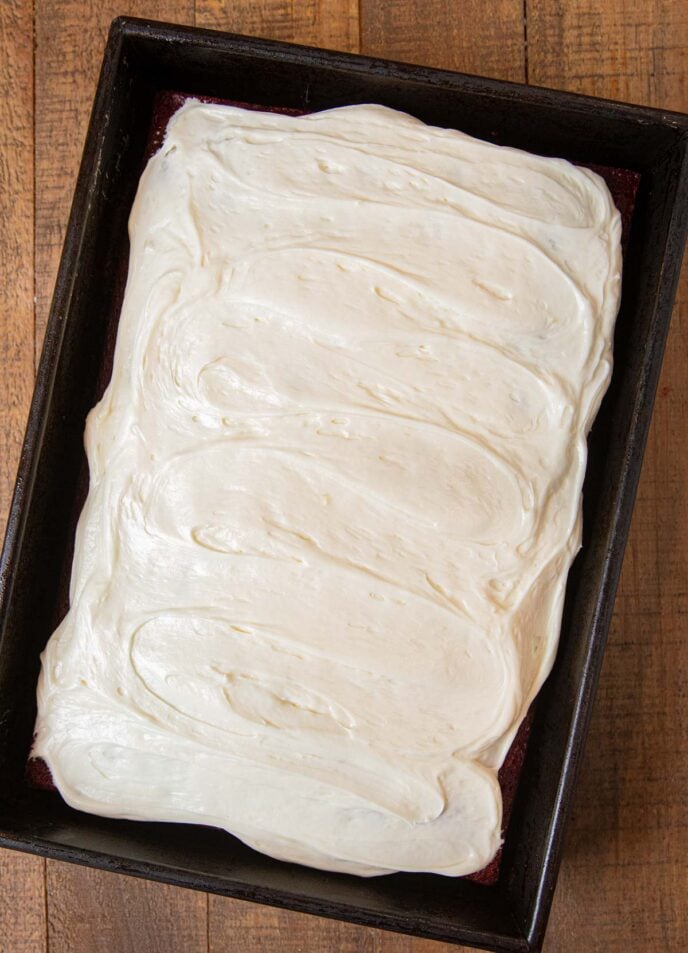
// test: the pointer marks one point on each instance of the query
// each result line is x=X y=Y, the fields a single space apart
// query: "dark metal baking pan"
x=141 y=60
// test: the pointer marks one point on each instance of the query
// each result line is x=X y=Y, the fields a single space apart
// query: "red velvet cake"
x=622 y=185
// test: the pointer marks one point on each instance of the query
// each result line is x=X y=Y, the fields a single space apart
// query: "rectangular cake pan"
x=142 y=59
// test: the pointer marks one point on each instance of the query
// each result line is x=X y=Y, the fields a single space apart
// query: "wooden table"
x=624 y=882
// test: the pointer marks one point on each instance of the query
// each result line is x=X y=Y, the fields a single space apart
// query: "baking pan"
x=142 y=60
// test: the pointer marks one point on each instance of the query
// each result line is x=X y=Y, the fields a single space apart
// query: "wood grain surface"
x=471 y=36
x=16 y=235
x=22 y=878
x=624 y=880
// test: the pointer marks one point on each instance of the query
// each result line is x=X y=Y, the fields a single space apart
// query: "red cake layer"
x=623 y=185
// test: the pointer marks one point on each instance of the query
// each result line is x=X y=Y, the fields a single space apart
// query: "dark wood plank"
x=329 y=23
x=238 y=927
x=22 y=903
x=633 y=50
x=22 y=897
x=16 y=235
x=472 y=36
x=624 y=880
x=93 y=912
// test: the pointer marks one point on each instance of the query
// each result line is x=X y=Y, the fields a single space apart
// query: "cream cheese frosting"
x=335 y=485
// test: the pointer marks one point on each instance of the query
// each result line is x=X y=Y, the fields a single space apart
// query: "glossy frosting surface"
x=335 y=485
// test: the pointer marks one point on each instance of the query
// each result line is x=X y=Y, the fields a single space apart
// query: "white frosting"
x=335 y=485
